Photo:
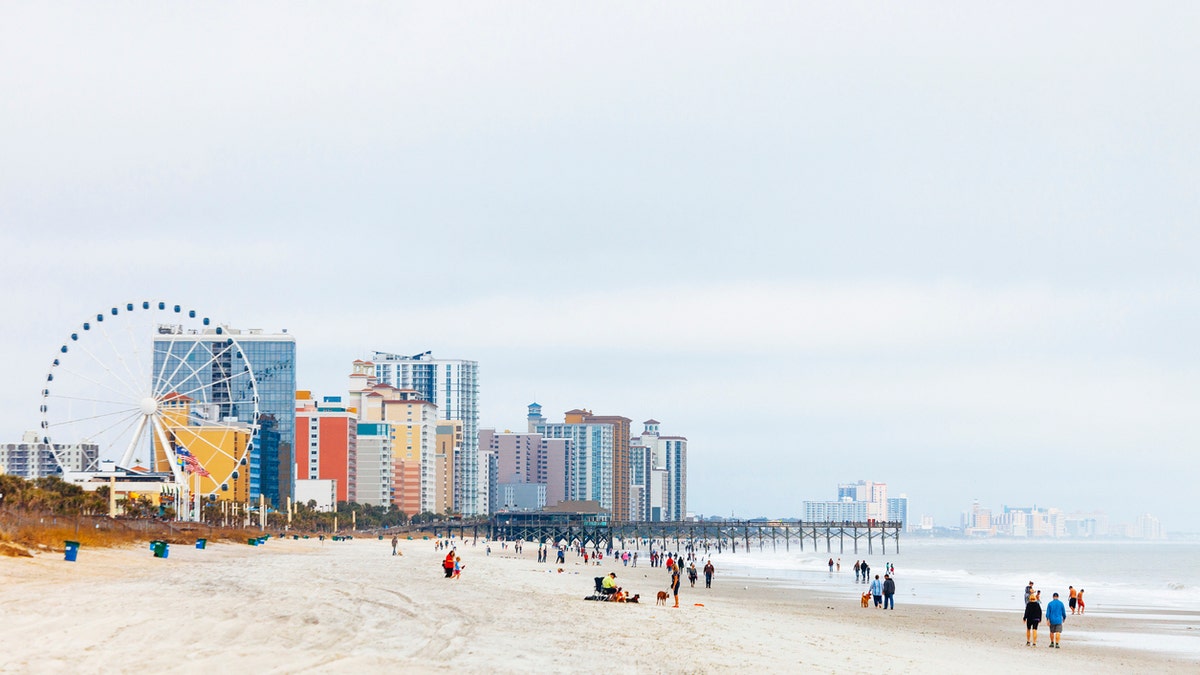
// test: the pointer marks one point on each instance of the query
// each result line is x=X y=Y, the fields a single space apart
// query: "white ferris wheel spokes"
x=145 y=380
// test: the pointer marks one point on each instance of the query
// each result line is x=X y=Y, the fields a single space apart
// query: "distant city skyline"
x=950 y=245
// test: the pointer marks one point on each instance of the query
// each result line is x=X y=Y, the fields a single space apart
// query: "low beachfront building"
x=836 y=511
x=32 y=458
x=321 y=495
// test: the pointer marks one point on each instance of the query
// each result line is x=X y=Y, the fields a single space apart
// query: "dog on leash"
x=662 y=598
x=866 y=599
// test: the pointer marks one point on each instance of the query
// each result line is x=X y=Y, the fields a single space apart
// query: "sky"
x=948 y=246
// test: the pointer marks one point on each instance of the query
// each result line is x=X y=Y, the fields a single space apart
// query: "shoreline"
x=335 y=606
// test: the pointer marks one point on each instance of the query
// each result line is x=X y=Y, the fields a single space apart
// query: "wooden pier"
x=731 y=535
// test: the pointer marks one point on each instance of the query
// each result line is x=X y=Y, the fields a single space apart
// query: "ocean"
x=1155 y=584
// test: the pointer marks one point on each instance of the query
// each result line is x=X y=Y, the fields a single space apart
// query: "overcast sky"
x=953 y=247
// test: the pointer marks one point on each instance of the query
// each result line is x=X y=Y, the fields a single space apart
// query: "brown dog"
x=866 y=599
x=662 y=598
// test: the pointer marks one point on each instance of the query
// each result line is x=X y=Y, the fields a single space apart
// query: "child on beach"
x=458 y=567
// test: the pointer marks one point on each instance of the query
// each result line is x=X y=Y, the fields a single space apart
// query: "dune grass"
x=22 y=534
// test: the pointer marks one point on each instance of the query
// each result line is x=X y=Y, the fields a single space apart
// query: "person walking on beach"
x=1079 y=601
x=831 y=565
x=866 y=571
x=675 y=583
x=1056 y=614
x=856 y=569
x=395 y=543
x=877 y=592
x=839 y=565
x=1071 y=598
x=692 y=574
x=1032 y=617
x=458 y=567
x=1028 y=592
x=889 y=591
x=448 y=564
x=708 y=574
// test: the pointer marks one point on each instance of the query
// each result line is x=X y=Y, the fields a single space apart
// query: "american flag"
x=189 y=462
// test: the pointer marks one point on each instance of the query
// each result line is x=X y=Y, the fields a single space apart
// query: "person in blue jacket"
x=877 y=591
x=1056 y=614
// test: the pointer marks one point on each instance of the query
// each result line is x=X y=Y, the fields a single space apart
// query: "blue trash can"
x=72 y=551
x=201 y=543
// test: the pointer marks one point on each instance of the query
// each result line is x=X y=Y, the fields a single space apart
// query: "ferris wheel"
x=148 y=385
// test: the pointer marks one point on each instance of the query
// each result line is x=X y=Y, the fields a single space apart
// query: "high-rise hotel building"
x=327 y=443
x=598 y=460
x=658 y=480
x=527 y=459
x=272 y=359
x=453 y=386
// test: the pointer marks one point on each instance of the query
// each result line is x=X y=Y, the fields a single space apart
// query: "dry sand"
x=291 y=606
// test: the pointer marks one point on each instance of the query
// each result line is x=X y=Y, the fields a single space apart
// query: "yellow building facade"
x=219 y=447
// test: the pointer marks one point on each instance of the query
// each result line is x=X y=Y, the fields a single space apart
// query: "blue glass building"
x=213 y=367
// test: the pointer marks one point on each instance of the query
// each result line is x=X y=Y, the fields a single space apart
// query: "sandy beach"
x=291 y=606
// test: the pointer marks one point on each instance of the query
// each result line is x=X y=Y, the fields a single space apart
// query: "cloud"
x=727 y=317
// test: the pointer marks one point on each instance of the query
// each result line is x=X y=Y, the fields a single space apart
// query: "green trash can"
x=161 y=549
x=252 y=541
x=201 y=543
x=72 y=551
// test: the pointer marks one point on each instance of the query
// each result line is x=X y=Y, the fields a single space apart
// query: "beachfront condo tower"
x=453 y=386
x=598 y=444
x=658 y=466
x=527 y=459
x=327 y=443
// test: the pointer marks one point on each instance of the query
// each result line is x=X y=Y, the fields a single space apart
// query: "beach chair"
x=598 y=593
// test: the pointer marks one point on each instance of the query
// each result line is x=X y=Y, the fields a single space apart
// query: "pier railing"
x=732 y=535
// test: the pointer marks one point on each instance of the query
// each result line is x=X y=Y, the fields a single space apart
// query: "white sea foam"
x=1119 y=577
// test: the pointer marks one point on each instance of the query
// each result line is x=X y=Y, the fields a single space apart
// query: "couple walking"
x=883 y=593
